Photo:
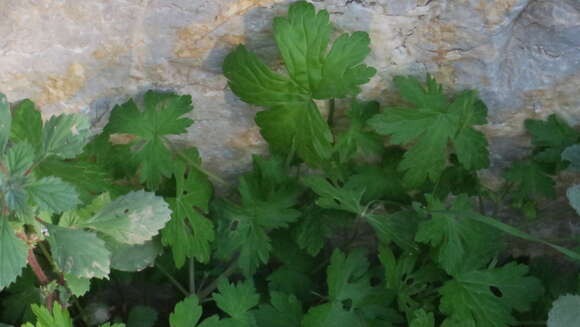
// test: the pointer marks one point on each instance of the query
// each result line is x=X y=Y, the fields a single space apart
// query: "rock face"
x=71 y=56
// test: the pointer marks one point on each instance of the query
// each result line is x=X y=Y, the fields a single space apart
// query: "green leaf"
x=331 y=315
x=236 y=299
x=5 y=122
x=77 y=285
x=431 y=126
x=161 y=116
x=142 y=316
x=189 y=232
x=356 y=139
x=14 y=192
x=133 y=257
x=293 y=120
x=53 y=194
x=79 y=252
x=553 y=132
x=13 y=254
x=19 y=158
x=423 y=319
x=454 y=236
x=268 y=197
x=565 y=312
x=298 y=126
x=131 y=219
x=59 y=317
x=18 y=298
x=530 y=180
x=88 y=178
x=27 y=124
x=303 y=38
x=468 y=299
x=186 y=313
x=64 y=136
x=284 y=311
x=573 y=194
x=333 y=197
x=347 y=277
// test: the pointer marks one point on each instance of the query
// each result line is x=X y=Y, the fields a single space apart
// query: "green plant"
x=39 y=206
x=380 y=220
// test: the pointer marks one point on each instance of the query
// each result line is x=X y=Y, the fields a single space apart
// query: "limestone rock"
x=71 y=56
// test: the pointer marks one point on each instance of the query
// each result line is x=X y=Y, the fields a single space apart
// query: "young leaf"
x=236 y=299
x=186 y=313
x=468 y=299
x=431 y=126
x=5 y=122
x=346 y=277
x=293 y=120
x=13 y=254
x=13 y=189
x=564 y=312
x=53 y=194
x=161 y=116
x=334 y=197
x=188 y=232
x=64 y=136
x=131 y=219
x=79 y=252
x=552 y=132
x=59 y=317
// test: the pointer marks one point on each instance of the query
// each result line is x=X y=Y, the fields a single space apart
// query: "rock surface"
x=71 y=56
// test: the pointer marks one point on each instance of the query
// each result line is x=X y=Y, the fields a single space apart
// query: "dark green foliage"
x=380 y=220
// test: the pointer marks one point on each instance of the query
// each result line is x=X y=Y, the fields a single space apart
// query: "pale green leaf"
x=133 y=257
x=573 y=194
x=572 y=154
x=77 y=285
x=423 y=319
x=13 y=254
x=79 y=252
x=133 y=218
x=565 y=312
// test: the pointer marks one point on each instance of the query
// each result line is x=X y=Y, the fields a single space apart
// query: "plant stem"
x=191 y=276
x=173 y=281
x=213 y=285
x=331 y=109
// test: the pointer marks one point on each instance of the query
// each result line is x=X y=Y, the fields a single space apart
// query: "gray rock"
x=71 y=56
